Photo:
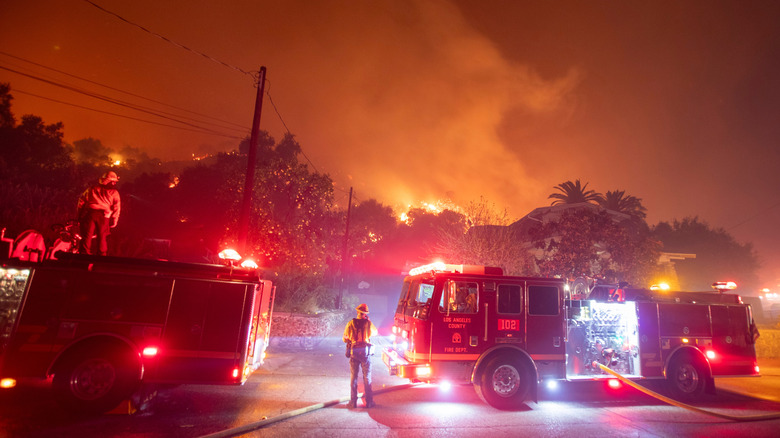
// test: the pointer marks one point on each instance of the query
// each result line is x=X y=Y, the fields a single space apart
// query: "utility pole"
x=344 y=251
x=251 y=164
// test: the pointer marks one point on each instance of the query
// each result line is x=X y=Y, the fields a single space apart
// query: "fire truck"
x=96 y=328
x=506 y=335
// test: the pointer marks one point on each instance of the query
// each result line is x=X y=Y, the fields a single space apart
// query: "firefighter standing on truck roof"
x=98 y=211
x=357 y=336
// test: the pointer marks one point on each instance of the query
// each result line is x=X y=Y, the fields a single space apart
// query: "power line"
x=755 y=216
x=125 y=92
x=268 y=93
x=168 y=40
x=181 y=46
x=110 y=100
x=124 y=116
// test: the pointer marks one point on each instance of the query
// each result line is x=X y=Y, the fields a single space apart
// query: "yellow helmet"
x=109 y=176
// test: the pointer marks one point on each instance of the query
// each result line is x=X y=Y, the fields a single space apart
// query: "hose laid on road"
x=265 y=422
x=673 y=402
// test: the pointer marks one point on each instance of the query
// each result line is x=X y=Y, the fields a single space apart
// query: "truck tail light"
x=7 y=383
x=711 y=354
x=236 y=372
x=150 y=352
x=614 y=383
x=423 y=371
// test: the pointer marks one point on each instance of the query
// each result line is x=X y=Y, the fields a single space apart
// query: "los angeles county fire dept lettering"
x=456 y=322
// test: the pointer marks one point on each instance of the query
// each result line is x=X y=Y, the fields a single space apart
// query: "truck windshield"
x=12 y=285
x=415 y=298
x=424 y=294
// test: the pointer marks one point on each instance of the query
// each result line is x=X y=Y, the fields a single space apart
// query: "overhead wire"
x=16 y=90
x=270 y=99
x=754 y=216
x=225 y=64
x=110 y=100
x=122 y=91
x=168 y=40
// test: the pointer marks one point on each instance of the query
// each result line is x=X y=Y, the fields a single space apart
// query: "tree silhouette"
x=574 y=193
x=719 y=256
x=589 y=243
x=618 y=201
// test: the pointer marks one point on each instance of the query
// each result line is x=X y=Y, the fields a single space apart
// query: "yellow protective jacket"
x=359 y=333
x=98 y=197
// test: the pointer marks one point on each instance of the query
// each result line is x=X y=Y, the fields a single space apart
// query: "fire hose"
x=686 y=406
x=236 y=431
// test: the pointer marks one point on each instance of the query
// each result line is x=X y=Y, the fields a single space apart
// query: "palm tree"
x=618 y=201
x=573 y=193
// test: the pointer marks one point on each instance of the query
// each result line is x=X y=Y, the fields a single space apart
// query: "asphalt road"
x=296 y=378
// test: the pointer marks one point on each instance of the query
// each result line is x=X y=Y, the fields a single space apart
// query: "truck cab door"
x=545 y=325
x=458 y=331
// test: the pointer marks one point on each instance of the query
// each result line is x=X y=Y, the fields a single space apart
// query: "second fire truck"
x=505 y=335
x=98 y=327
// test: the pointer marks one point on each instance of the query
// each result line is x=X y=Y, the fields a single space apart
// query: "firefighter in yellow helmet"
x=98 y=212
x=357 y=336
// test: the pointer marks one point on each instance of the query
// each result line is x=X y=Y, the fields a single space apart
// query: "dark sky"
x=675 y=102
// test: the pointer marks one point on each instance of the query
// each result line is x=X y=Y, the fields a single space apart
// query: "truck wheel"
x=686 y=378
x=96 y=380
x=505 y=383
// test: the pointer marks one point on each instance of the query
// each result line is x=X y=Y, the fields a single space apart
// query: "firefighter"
x=98 y=212
x=357 y=336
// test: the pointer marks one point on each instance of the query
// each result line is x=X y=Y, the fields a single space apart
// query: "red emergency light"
x=435 y=266
x=461 y=269
x=724 y=285
x=229 y=254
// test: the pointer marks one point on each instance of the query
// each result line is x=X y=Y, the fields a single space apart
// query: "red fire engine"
x=100 y=326
x=505 y=334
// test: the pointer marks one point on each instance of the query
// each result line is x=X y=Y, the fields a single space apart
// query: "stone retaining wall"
x=297 y=330
x=768 y=344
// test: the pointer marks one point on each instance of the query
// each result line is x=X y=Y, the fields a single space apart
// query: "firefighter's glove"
x=112 y=222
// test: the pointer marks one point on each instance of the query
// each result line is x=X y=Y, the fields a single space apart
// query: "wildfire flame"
x=433 y=208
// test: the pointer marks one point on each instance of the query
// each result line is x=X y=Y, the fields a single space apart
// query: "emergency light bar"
x=461 y=269
x=724 y=285
x=431 y=267
x=229 y=254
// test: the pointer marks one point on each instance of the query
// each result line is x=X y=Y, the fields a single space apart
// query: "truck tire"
x=686 y=377
x=96 y=380
x=504 y=383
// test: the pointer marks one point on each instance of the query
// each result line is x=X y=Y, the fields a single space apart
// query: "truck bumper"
x=398 y=366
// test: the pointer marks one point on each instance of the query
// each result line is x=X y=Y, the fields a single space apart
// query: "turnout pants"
x=360 y=359
x=94 y=223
